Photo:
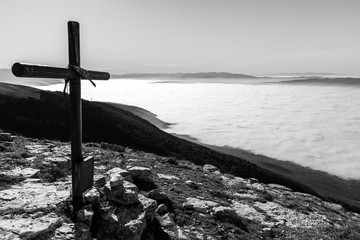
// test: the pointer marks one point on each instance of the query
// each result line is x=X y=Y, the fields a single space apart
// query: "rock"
x=107 y=211
x=149 y=205
x=209 y=168
x=112 y=147
x=122 y=172
x=65 y=232
x=253 y=180
x=99 y=181
x=333 y=206
x=199 y=205
x=258 y=187
x=92 y=196
x=157 y=195
x=32 y=195
x=143 y=178
x=291 y=217
x=161 y=198
x=131 y=197
x=227 y=214
x=130 y=186
x=192 y=184
x=280 y=187
x=162 y=209
x=85 y=215
x=105 y=190
x=165 y=176
x=247 y=211
x=135 y=228
x=116 y=181
x=141 y=172
x=5 y=137
x=166 y=221
x=24 y=172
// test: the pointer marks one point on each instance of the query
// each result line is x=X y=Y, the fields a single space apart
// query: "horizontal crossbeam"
x=35 y=71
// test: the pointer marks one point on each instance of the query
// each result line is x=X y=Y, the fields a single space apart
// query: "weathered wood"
x=35 y=71
x=86 y=174
x=76 y=116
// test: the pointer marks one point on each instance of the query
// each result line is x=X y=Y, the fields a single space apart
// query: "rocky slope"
x=139 y=195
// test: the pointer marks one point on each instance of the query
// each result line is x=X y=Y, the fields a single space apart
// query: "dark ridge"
x=324 y=81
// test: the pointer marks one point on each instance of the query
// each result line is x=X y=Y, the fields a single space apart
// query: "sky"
x=133 y=36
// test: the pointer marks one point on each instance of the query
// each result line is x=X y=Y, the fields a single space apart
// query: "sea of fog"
x=314 y=126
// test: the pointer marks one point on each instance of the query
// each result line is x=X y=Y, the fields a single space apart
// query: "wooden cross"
x=82 y=170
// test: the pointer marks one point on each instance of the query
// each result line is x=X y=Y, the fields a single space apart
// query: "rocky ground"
x=139 y=195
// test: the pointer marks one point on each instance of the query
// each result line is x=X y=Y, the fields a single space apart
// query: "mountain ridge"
x=206 y=75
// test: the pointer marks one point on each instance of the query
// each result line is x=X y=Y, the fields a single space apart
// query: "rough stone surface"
x=199 y=204
x=5 y=137
x=130 y=186
x=36 y=204
x=209 y=168
x=192 y=184
x=162 y=209
x=99 y=181
x=122 y=172
x=92 y=196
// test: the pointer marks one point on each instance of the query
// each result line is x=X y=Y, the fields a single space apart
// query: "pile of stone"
x=115 y=209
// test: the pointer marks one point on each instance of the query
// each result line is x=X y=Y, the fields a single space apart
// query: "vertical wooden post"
x=76 y=119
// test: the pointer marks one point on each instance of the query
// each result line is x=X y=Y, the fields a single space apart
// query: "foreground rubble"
x=139 y=195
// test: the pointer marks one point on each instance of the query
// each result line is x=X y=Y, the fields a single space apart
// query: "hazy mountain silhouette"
x=207 y=75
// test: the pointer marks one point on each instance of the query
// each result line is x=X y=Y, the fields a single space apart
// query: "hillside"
x=47 y=116
x=140 y=195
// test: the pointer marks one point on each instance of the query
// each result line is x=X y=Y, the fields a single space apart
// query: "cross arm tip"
x=17 y=69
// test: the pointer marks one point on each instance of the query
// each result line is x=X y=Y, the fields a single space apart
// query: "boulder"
x=143 y=178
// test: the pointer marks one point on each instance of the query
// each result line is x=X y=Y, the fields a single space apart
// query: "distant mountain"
x=302 y=74
x=324 y=81
x=202 y=75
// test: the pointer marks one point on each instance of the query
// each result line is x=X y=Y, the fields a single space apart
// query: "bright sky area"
x=240 y=36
